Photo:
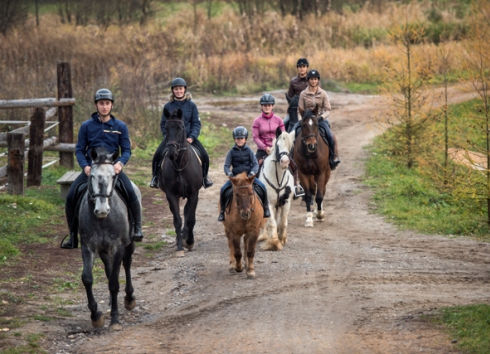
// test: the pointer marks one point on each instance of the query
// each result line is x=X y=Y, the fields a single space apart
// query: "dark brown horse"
x=180 y=177
x=245 y=217
x=311 y=154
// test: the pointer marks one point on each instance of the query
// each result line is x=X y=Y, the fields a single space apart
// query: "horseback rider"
x=296 y=86
x=264 y=132
x=242 y=158
x=314 y=96
x=103 y=129
x=180 y=98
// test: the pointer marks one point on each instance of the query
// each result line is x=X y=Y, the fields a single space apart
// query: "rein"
x=91 y=193
x=178 y=146
x=281 y=187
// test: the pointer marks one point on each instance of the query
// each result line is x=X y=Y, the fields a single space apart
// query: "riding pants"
x=228 y=185
x=158 y=156
x=71 y=203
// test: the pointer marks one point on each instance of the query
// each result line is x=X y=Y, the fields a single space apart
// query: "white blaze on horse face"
x=310 y=122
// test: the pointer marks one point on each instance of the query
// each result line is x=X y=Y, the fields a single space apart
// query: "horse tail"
x=284 y=198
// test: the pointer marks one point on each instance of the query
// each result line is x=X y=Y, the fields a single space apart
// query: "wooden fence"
x=17 y=143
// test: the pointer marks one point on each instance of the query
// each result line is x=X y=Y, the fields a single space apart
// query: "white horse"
x=280 y=185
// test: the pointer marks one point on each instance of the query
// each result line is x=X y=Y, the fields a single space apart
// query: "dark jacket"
x=296 y=85
x=190 y=115
x=243 y=160
x=112 y=135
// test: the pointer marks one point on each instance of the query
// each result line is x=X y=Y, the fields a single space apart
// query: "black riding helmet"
x=267 y=99
x=302 y=61
x=178 y=81
x=240 y=132
x=313 y=73
x=103 y=94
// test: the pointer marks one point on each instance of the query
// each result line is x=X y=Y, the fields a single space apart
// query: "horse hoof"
x=115 y=327
x=272 y=246
x=320 y=215
x=262 y=237
x=179 y=254
x=239 y=270
x=188 y=246
x=100 y=322
x=129 y=305
x=251 y=274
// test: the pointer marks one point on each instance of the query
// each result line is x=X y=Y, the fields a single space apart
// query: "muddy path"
x=351 y=284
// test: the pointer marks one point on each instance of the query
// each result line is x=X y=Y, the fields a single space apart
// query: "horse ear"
x=114 y=156
x=179 y=113
x=232 y=179
x=166 y=113
x=278 y=132
x=315 y=111
x=251 y=178
x=93 y=154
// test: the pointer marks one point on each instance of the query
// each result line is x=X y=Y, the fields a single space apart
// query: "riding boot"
x=334 y=159
x=154 y=182
x=267 y=212
x=136 y=211
x=298 y=190
x=72 y=241
x=222 y=204
x=207 y=182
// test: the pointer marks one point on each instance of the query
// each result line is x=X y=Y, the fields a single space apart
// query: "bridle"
x=278 y=189
x=236 y=199
x=178 y=146
x=305 y=144
x=91 y=193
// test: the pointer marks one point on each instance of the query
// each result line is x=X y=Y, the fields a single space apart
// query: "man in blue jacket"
x=102 y=130
x=179 y=98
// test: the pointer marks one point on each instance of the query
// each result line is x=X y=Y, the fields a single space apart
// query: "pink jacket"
x=264 y=130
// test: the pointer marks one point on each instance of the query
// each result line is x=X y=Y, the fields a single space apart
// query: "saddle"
x=228 y=195
x=123 y=193
x=193 y=148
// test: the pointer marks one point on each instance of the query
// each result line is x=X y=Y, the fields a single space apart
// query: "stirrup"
x=299 y=191
x=207 y=182
x=154 y=182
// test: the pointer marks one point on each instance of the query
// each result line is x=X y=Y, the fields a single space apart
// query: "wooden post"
x=15 y=177
x=36 y=140
x=65 y=114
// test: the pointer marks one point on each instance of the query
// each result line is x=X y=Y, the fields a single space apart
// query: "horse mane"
x=100 y=154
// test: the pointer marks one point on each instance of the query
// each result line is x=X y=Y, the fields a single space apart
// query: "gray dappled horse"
x=105 y=230
x=180 y=177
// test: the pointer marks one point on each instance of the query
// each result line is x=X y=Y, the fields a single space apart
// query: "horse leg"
x=321 y=187
x=250 y=242
x=173 y=203
x=129 y=299
x=231 y=247
x=190 y=220
x=282 y=223
x=306 y=183
x=236 y=240
x=87 y=278
x=272 y=243
x=114 y=266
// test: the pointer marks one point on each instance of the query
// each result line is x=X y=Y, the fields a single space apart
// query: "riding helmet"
x=240 y=132
x=267 y=99
x=302 y=61
x=313 y=73
x=178 y=81
x=103 y=94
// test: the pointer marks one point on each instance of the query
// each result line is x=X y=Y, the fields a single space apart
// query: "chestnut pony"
x=245 y=218
x=311 y=154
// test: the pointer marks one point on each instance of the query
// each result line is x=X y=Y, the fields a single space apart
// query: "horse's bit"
x=90 y=187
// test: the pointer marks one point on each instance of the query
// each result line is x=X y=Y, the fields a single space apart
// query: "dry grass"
x=228 y=53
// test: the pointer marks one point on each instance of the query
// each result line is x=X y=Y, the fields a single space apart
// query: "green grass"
x=408 y=198
x=155 y=246
x=470 y=326
x=27 y=219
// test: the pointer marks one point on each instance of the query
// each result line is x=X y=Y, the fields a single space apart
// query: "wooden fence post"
x=16 y=147
x=36 y=140
x=65 y=114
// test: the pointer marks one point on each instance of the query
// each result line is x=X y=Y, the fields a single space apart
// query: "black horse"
x=180 y=177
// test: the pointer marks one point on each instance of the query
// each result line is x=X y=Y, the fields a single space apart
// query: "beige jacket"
x=308 y=100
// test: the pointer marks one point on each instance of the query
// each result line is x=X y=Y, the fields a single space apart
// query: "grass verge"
x=469 y=326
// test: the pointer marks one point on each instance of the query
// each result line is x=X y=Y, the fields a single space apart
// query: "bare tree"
x=12 y=13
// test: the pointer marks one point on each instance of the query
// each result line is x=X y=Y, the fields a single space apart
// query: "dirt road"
x=352 y=284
